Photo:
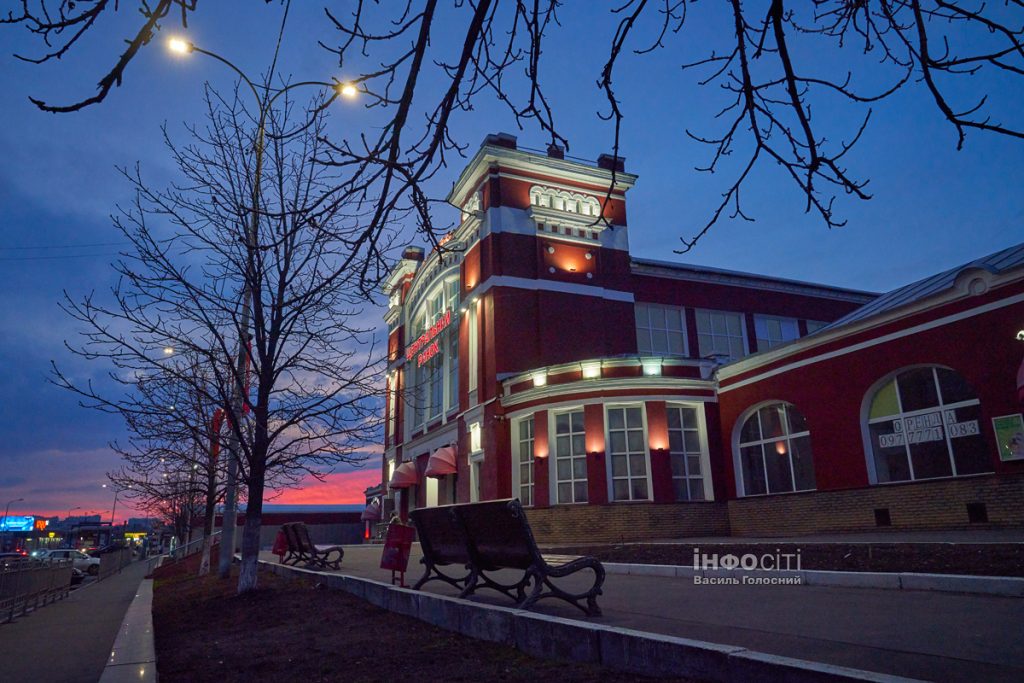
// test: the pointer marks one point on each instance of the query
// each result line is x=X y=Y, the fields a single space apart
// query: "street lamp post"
x=7 y=523
x=68 y=521
x=264 y=102
x=113 y=511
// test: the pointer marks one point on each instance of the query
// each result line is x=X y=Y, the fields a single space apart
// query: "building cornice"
x=533 y=163
x=590 y=386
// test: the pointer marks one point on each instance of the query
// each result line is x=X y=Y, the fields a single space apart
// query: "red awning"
x=441 y=462
x=404 y=476
x=372 y=511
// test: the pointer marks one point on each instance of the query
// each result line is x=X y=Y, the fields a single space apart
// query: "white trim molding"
x=733 y=369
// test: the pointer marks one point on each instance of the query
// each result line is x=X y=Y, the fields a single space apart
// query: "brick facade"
x=922 y=505
x=625 y=523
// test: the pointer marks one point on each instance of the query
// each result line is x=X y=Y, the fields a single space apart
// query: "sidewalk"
x=69 y=640
x=918 y=634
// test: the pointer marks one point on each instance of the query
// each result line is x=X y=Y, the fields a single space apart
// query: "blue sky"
x=933 y=207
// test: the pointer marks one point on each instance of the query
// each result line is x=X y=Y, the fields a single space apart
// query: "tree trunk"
x=210 y=513
x=247 y=577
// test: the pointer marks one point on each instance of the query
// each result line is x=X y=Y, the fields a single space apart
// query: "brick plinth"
x=923 y=505
x=627 y=522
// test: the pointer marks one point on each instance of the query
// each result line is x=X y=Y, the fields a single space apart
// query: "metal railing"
x=29 y=584
x=191 y=548
x=113 y=562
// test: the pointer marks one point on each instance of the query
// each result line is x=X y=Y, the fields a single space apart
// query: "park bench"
x=293 y=550
x=302 y=549
x=443 y=543
x=495 y=536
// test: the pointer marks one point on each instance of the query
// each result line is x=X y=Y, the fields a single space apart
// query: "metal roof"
x=999 y=262
x=742 y=278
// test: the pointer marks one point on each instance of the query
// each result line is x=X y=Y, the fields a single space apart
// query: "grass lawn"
x=292 y=630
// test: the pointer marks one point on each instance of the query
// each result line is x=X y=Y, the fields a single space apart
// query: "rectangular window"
x=392 y=405
x=436 y=373
x=772 y=332
x=814 y=325
x=473 y=350
x=627 y=451
x=660 y=330
x=453 y=367
x=415 y=394
x=570 y=459
x=685 y=453
x=720 y=333
x=524 y=460
x=475 y=445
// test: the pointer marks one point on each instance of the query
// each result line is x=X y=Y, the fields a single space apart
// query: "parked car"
x=103 y=550
x=7 y=559
x=81 y=561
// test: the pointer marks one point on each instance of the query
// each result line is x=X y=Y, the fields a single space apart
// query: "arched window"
x=923 y=423
x=775 y=451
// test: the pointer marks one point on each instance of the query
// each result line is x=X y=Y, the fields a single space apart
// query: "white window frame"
x=650 y=330
x=743 y=332
x=867 y=421
x=392 y=405
x=476 y=465
x=517 y=463
x=473 y=351
x=761 y=324
x=418 y=388
x=705 y=456
x=787 y=436
x=553 y=480
x=608 y=453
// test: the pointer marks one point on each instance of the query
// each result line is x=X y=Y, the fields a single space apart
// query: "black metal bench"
x=443 y=543
x=293 y=553
x=492 y=536
x=302 y=549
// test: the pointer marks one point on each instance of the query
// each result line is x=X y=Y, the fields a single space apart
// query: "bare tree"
x=174 y=429
x=766 y=59
x=304 y=400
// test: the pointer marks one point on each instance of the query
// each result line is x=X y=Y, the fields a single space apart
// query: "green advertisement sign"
x=1010 y=436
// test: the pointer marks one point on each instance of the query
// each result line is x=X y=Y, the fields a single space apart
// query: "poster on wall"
x=1010 y=436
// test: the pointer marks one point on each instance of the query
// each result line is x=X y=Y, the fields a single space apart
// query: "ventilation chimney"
x=611 y=162
x=556 y=151
x=501 y=140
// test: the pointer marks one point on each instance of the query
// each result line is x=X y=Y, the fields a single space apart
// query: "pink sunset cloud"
x=339 y=488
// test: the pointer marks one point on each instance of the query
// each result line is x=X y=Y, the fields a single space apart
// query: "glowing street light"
x=180 y=46
x=168 y=350
x=347 y=90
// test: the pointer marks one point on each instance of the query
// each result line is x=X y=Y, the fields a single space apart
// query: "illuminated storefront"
x=531 y=356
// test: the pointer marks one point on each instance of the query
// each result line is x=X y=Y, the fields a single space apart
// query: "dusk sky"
x=933 y=207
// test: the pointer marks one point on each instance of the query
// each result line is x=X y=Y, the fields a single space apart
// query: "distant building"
x=618 y=398
x=326 y=523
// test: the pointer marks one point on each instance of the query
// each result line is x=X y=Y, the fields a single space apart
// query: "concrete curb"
x=133 y=657
x=540 y=635
x=1009 y=586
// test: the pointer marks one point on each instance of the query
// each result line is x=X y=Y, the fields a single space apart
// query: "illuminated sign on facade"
x=41 y=524
x=428 y=353
x=17 y=523
x=423 y=343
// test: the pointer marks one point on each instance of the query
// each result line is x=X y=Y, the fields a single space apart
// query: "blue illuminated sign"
x=17 y=523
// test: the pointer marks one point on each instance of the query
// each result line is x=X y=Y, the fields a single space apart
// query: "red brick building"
x=531 y=356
